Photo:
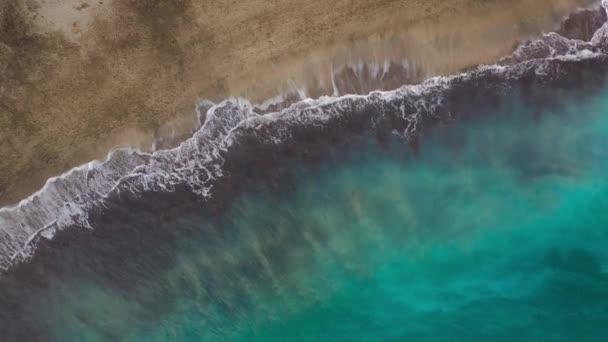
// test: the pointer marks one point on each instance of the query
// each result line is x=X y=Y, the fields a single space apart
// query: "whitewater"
x=70 y=201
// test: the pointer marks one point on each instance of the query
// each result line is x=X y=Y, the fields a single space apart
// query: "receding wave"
x=235 y=125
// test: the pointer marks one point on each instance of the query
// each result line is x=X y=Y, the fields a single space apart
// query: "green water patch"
x=497 y=228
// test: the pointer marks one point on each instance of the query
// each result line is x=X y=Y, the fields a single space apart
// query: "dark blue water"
x=496 y=229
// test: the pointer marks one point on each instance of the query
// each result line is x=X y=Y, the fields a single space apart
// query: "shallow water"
x=496 y=228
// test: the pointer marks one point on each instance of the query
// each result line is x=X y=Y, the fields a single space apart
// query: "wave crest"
x=67 y=200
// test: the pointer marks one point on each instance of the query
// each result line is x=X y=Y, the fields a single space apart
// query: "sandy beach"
x=78 y=78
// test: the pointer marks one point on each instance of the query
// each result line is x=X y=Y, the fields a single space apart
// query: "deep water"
x=494 y=228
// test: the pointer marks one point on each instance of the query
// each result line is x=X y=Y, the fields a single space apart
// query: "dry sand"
x=80 y=77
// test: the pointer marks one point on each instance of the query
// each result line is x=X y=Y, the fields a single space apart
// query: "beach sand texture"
x=78 y=78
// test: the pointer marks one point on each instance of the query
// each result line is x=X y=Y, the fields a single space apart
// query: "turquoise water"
x=496 y=230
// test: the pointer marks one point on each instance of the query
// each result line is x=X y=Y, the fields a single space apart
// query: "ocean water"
x=467 y=208
x=494 y=228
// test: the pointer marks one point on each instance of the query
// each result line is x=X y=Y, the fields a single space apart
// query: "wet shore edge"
x=239 y=146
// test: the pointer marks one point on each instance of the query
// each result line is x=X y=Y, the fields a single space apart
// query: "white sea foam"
x=67 y=200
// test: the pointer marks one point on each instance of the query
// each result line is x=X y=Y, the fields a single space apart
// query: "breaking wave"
x=230 y=128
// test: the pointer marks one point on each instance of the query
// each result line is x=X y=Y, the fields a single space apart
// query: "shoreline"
x=98 y=102
x=144 y=216
x=130 y=226
x=232 y=131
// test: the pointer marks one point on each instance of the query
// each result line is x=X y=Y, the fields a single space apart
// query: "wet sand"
x=78 y=78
